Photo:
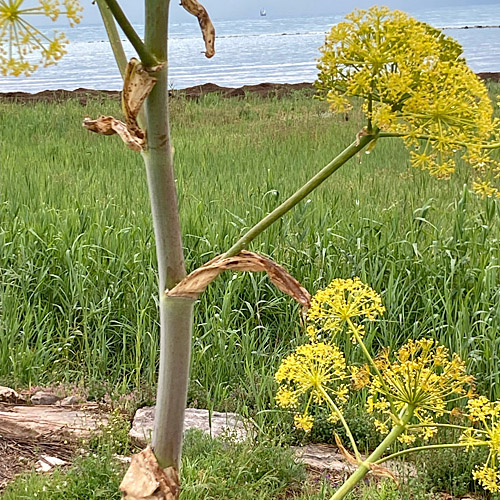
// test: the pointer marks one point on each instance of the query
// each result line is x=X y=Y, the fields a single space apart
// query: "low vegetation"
x=77 y=262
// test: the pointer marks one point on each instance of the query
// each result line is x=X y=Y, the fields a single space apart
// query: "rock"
x=8 y=395
x=326 y=458
x=215 y=424
x=40 y=421
x=323 y=458
x=47 y=463
x=44 y=398
x=70 y=401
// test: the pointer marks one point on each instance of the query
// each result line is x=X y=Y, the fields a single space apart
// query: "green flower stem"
x=113 y=35
x=364 y=467
x=449 y=426
x=335 y=408
x=494 y=145
x=428 y=447
x=147 y=58
x=368 y=356
x=300 y=194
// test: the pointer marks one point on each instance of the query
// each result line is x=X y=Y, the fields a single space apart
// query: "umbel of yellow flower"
x=420 y=375
x=23 y=47
x=344 y=302
x=486 y=417
x=312 y=374
x=416 y=85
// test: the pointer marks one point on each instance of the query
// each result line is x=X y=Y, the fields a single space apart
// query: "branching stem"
x=144 y=54
x=300 y=194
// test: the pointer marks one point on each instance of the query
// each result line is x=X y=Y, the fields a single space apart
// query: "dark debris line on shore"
x=60 y=95
x=261 y=89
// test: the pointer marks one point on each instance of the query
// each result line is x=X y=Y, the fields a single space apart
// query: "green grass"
x=77 y=262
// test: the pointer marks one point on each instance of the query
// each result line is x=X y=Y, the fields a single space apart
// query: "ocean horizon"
x=249 y=51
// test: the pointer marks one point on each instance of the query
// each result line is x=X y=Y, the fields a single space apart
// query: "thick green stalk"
x=175 y=313
x=113 y=36
x=299 y=195
x=364 y=467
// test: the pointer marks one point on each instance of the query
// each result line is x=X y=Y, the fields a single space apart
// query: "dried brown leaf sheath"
x=146 y=480
x=137 y=85
x=207 y=28
x=107 y=125
x=377 y=470
x=196 y=282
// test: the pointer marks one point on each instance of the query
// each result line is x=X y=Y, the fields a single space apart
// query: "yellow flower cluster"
x=485 y=415
x=416 y=85
x=23 y=47
x=421 y=375
x=343 y=303
x=314 y=373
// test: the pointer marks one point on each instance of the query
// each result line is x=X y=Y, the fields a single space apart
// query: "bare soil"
x=83 y=95
x=262 y=89
x=20 y=454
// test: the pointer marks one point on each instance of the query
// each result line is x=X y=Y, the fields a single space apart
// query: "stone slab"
x=38 y=421
x=215 y=424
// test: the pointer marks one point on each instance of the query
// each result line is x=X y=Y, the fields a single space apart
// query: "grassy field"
x=78 y=286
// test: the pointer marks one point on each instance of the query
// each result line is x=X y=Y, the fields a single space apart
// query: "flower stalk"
x=365 y=467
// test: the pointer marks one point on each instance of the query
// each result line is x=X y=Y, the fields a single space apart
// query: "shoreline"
x=195 y=92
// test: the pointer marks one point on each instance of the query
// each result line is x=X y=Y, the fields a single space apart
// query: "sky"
x=242 y=9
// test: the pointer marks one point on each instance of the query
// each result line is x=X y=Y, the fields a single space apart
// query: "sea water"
x=249 y=51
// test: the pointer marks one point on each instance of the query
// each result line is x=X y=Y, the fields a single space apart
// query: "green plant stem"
x=146 y=57
x=176 y=314
x=300 y=194
x=368 y=356
x=423 y=448
x=113 y=36
x=335 y=408
x=364 y=467
x=449 y=426
x=494 y=145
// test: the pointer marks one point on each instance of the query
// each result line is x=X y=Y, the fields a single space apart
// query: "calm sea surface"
x=264 y=49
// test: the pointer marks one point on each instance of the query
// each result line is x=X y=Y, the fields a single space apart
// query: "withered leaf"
x=138 y=83
x=377 y=470
x=107 y=125
x=196 y=282
x=146 y=480
x=207 y=28
x=348 y=456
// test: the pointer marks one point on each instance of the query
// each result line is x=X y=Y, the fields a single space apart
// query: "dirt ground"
x=262 y=89
x=21 y=454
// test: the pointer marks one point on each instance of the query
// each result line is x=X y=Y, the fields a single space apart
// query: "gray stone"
x=323 y=458
x=8 y=395
x=44 y=398
x=70 y=401
x=215 y=424
x=326 y=458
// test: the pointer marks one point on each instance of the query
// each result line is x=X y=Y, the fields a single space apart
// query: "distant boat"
x=263 y=12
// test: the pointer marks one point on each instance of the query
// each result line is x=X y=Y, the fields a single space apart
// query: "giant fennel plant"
x=412 y=83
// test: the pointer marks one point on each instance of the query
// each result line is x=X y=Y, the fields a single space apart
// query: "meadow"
x=77 y=258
